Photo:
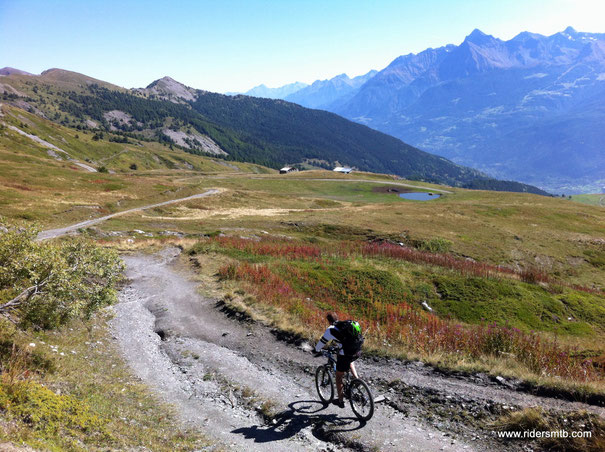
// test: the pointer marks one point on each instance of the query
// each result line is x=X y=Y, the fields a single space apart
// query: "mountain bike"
x=355 y=389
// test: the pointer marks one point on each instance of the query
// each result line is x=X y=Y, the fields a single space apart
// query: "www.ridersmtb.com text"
x=531 y=434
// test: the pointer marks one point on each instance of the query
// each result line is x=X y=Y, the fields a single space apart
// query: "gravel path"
x=203 y=358
x=53 y=233
x=206 y=355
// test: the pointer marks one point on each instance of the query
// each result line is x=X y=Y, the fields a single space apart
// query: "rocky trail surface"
x=251 y=388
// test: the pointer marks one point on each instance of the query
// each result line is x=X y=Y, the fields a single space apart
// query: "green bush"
x=436 y=245
x=45 y=283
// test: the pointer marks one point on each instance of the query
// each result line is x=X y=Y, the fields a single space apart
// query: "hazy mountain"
x=274 y=93
x=323 y=93
x=530 y=109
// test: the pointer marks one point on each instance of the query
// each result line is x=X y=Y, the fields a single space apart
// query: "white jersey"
x=327 y=337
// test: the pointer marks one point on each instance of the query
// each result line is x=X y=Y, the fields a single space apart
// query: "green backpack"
x=348 y=332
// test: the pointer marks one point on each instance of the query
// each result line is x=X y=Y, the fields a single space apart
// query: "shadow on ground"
x=300 y=415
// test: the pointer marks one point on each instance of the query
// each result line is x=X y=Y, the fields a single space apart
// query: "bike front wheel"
x=362 y=401
x=324 y=384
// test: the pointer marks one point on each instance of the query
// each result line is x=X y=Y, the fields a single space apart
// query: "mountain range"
x=268 y=132
x=321 y=94
x=327 y=94
x=274 y=93
x=531 y=108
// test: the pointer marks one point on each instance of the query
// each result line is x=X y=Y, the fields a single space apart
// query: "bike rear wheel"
x=362 y=401
x=324 y=384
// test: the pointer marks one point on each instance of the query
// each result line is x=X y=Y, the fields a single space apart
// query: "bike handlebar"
x=329 y=351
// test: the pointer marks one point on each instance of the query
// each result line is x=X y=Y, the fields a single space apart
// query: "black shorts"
x=343 y=362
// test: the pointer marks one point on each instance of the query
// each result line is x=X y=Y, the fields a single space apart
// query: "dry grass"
x=15 y=367
x=89 y=372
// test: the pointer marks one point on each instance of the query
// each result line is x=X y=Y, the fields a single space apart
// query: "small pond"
x=419 y=196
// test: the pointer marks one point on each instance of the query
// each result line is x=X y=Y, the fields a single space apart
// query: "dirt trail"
x=53 y=233
x=201 y=357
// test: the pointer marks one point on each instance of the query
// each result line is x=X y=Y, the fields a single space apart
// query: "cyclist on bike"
x=346 y=335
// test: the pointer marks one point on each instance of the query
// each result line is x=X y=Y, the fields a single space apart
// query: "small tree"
x=45 y=283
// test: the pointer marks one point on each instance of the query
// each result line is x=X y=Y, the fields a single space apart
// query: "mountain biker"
x=346 y=335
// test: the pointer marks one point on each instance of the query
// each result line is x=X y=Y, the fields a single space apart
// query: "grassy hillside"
x=594 y=199
x=514 y=280
x=268 y=132
x=54 y=190
x=520 y=231
x=516 y=230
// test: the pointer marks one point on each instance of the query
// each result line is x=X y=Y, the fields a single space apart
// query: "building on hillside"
x=343 y=169
x=287 y=169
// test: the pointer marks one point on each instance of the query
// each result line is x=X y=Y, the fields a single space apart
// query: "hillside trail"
x=53 y=233
x=207 y=361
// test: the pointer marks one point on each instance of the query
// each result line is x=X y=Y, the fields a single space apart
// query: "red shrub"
x=416 y=330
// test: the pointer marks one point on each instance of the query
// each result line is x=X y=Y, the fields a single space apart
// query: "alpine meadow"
x=169 y=254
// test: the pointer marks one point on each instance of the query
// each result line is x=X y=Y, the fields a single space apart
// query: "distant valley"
x=529 y=109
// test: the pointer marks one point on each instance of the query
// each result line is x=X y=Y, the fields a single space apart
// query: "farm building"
x=287 y=169
x=342 y=169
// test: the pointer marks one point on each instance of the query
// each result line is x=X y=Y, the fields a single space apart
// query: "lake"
x=419 y=196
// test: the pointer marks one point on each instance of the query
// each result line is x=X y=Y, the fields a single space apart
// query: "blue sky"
x=232 y=45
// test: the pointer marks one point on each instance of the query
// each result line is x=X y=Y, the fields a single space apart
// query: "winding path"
x=195 y=356
x=195 y=353
x=53 y=233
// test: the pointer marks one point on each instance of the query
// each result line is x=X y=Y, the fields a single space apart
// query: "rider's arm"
x=327 y=337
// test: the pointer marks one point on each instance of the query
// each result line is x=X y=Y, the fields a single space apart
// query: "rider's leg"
x=339 y=376
x=354 y=371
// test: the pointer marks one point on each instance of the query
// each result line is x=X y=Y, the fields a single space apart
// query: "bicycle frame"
x=331 y=353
